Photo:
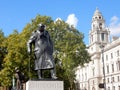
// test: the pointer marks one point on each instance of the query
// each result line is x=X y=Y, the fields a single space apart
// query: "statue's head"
x=41 y=27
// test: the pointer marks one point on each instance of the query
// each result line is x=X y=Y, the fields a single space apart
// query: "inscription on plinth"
x=44 y=85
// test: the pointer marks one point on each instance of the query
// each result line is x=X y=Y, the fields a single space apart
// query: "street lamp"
x=102 y=51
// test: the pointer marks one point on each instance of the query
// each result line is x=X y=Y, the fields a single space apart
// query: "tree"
x=71 y=48
x=2 y=49
x=68 y=42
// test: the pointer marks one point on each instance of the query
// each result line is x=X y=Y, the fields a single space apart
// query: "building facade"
x=105 y=58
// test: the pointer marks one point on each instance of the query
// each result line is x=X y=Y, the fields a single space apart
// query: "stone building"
x=105 y=58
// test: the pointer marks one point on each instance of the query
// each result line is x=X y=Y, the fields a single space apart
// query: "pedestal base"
x=44 y=85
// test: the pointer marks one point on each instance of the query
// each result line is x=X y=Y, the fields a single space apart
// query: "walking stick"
x=29 y=66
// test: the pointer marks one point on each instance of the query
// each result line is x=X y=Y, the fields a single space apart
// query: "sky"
x=15 y=14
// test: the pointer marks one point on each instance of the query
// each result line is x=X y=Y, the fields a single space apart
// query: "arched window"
x=93 y=88
x=102 y=36
x=99 y=17
x=100 y=25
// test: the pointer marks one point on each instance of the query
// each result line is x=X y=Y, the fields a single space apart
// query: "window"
x=112 y=67
x=118 y=78
x=113 y=88
x=117 y=52
x=108 y=80
x=111 y=55
x=112 y=80
x=108 y=88
x=102 y=36
x=119 y=87
x=119 y=65
x=106 y=57
x=107 y=68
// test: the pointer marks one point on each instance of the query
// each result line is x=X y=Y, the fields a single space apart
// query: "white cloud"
x=114 y=26
x=72 y=20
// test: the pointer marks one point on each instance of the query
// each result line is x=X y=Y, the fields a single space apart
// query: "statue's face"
x=41 y=28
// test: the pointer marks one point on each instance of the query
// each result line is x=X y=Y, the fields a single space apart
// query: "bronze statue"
x=43 y=51
x=20 y=78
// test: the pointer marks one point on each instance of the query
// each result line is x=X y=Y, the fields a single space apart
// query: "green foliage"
x=68 y=42
x=2 y=49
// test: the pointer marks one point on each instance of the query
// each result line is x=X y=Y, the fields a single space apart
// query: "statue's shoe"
x=54 y=77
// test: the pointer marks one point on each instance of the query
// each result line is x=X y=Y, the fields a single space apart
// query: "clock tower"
x=99 y=33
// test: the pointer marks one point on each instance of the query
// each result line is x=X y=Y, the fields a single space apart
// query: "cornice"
x=112 y=45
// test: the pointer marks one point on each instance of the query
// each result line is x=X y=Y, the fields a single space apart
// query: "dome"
x=97 y=12
x=97 y=15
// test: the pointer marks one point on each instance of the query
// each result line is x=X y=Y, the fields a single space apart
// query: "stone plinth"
x=44 y=85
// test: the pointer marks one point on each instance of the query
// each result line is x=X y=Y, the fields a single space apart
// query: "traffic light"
x=101 y=85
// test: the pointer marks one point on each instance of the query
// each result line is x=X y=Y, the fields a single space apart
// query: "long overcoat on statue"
x=43 y=49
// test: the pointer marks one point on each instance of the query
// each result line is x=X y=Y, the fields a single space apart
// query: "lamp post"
x=102 y=51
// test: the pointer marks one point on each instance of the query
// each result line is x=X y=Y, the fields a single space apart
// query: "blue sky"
x=15 y=14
